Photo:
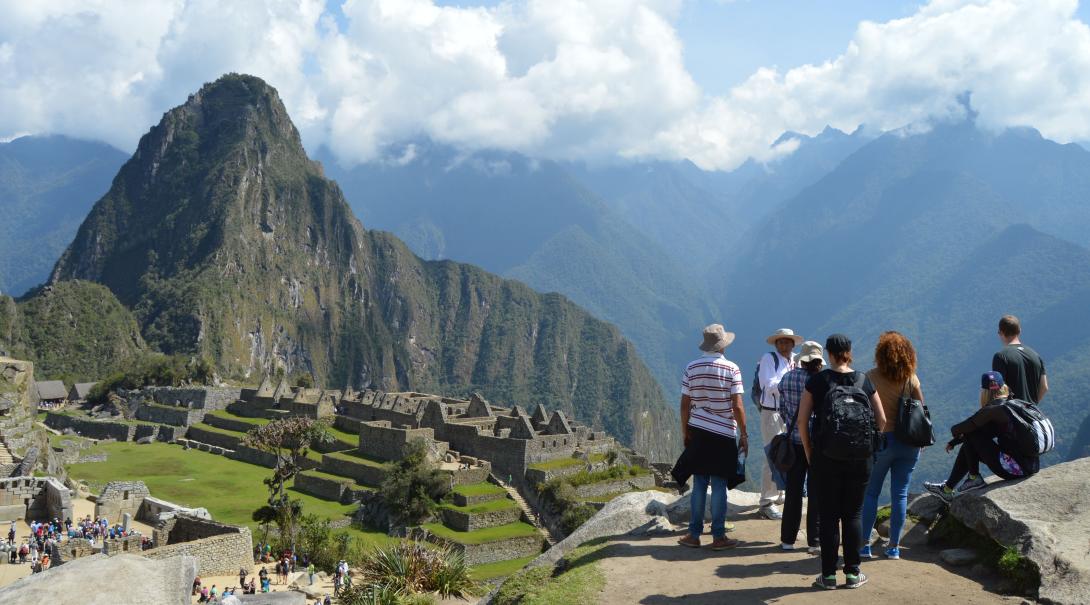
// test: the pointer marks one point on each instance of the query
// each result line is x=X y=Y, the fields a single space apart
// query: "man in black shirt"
x=1022 y=368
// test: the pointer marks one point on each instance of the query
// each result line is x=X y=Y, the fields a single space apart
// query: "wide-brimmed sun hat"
x=811 y=351
x=784 y=333
x=716 y=338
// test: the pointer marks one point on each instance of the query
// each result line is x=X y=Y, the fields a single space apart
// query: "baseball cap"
x=837 y=344
x=991 y=381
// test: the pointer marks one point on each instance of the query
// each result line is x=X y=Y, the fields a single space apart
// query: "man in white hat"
x=713 y=425
x=770 y=370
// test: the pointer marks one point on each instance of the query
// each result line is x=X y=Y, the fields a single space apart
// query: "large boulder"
x=1047 y=518
x=102 y=580
x=737 y=502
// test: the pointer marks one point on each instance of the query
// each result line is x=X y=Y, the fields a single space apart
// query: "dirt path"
x=656 y=571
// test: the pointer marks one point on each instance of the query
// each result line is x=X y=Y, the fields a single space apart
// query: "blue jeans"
x=898 y=461
x=697 y=500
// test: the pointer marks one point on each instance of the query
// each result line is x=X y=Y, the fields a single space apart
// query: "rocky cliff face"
x=226 y=240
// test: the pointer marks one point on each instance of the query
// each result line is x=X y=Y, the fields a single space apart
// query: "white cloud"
x=551 y=78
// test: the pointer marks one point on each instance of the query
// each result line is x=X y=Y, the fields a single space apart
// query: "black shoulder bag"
x=781 y=451
x=913 y=420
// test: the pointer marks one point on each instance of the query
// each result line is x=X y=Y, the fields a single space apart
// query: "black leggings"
x=979 y=446
x=792 y=505
x=840 y=486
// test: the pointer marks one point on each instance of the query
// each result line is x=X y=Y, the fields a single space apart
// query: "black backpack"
x=755 y=390
x=848 y=428
x=1032 y=430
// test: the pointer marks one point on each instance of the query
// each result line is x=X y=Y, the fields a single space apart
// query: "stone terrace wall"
x=218 y=555
x=95 y=429
x=205 y=398
x=463 y=521
x=593 y=490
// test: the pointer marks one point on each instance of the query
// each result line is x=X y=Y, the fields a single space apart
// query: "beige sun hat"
x=810 y=351
x=716 y=338
x=784 y=333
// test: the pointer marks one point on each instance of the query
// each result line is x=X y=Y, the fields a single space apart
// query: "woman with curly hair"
x=894 y=376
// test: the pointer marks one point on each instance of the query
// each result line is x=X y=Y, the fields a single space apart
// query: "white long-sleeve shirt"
x=769 y=375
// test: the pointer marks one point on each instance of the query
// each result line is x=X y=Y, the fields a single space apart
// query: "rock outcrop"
x=102 y=580
x=1045 y=517
x=640 y=513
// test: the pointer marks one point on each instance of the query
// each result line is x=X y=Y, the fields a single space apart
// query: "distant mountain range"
x=925 y=234
x=221 y=239
x=47 y=186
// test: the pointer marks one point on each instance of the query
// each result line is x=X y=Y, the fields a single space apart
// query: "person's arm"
x=876 y=406
x=686 y=406
x=766 y=375
x=740 y=421
x=1042 y=389
x=917 y=391
x=806 y=407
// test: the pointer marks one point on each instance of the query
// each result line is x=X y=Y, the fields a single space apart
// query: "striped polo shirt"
x=710 y=382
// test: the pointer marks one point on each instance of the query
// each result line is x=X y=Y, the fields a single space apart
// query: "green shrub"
x=412 y=568
x=155 y=369
x=413 y=486
x=884 y=514
x=1020 y=570
x=380 y=595
x=574 y=516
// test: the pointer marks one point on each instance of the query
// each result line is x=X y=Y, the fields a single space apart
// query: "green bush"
x=380 y=595
x=574 y=516
x=410 y=568
x=413 y=486
x=884 y=514
x=1020 y=570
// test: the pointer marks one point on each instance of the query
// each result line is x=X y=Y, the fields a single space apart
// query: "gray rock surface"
x=926 y=506
x=737 y=502
x=1045 y=517
x=102 y=580
x=640 y=513
x=959 y=556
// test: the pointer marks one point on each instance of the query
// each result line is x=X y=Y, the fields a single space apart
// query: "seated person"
x=987 y=436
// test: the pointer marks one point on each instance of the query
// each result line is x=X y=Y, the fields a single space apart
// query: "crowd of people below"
x=39 y=549
x=833 y=435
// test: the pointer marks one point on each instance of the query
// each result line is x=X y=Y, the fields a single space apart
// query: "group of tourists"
x=833 y=435
x=39 y=548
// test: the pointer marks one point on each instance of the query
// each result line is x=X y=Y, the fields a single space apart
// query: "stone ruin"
x=219 y=548
x=23 y=447
x=34 y=498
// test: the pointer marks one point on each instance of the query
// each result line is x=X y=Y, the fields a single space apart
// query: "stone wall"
x=219 y=555
x=494 y=552
x=166 y=414
x=474 y=474
x=464 y=521
x=197 y=433
x=95 y=429
x=34 y=498
x=204 y=398
x=322 y=487
x=230 y=424
x=120 y=497
x=116 y=546
x=346 y=467
x=383 y=441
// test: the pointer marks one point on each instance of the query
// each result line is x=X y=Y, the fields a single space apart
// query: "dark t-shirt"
x=821 y=383
x=1022 y=369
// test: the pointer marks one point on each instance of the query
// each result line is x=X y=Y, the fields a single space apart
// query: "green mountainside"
x=533 y=220
x=227 y=241
x=47 y=186
x=905 y=235
x=75 y=331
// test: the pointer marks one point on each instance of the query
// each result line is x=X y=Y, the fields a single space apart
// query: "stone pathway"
x=656 y=571
x=528 y=511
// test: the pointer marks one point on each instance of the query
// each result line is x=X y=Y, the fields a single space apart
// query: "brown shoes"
x=724 y=543
x=689 y=541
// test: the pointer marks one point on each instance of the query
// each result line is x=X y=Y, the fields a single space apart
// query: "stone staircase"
x=528 y=511
x=8 y=464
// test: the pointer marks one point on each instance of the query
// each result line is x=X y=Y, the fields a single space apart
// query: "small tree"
x=305 y=381
x=413 y=486
x=290 y=440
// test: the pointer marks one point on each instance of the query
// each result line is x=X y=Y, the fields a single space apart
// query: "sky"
x=712 y=81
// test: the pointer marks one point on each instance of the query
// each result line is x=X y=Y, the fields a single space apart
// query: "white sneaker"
x=771 y=513
x=786 y=546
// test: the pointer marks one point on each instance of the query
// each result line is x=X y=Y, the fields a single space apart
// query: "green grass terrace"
x=230 y=489
x=499 y=533
x=484 y=507
x=560 y=463
x=479 y=489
